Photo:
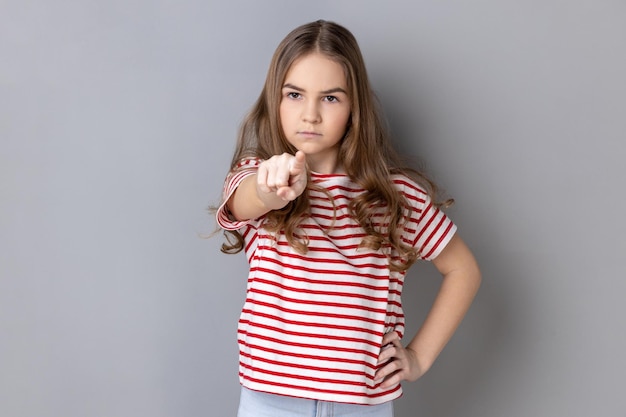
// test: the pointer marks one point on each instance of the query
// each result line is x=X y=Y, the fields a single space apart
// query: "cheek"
x=343 y=120
x=283 y=115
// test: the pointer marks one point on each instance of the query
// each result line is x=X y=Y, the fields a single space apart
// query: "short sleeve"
x=243 y=170
x=428 y=229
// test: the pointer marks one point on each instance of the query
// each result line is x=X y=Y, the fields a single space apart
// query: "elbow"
x=475 y=276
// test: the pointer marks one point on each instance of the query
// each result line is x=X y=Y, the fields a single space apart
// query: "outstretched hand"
x=400 y=363
x=283 y=175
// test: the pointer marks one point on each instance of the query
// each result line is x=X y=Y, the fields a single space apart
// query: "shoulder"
x=247 y=163
x=240 y=170
x=410 y=189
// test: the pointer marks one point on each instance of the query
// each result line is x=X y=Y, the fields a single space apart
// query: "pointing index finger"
x=298 y=163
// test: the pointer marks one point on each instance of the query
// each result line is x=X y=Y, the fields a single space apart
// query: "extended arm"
x=278 y=180
x=461 y=279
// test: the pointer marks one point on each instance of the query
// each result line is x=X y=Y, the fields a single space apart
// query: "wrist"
x=270 y=200
x=423 y=360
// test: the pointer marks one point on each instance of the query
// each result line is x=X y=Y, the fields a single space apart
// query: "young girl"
x=330 y=222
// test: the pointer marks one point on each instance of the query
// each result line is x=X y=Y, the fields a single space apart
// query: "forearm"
x=278 y=180
x=248 y=203
x=455 y=296
x=457 y=291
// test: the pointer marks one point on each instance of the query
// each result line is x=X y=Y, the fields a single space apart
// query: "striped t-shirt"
x=312 y=324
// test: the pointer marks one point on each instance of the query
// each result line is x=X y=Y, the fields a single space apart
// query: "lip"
x=309 y=134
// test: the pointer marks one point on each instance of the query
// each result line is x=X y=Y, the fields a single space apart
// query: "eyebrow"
x=331 y=91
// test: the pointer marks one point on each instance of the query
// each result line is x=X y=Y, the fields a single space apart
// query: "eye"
x=294 y=95
x=331 y=99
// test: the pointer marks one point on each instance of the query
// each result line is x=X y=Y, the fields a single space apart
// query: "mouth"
x=309 y=134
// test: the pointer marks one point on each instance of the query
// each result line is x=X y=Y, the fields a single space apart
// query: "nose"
x=311 y=112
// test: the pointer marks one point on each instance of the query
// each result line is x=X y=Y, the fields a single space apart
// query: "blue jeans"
x=261 y=404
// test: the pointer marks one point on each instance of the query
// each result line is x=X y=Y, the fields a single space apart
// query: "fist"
x=283 y=175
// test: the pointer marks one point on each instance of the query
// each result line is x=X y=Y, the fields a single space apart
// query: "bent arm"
x=461 y=280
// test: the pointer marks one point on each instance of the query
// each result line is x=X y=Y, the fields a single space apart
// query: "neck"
x=326 y=166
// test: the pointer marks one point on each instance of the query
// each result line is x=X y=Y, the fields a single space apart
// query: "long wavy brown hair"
x=365 y=152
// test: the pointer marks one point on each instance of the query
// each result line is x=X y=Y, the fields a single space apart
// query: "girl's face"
x=315 y=109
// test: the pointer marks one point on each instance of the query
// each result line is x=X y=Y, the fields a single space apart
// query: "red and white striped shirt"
x=312 y=324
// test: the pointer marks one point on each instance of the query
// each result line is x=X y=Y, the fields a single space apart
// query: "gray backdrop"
x=117 y=124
